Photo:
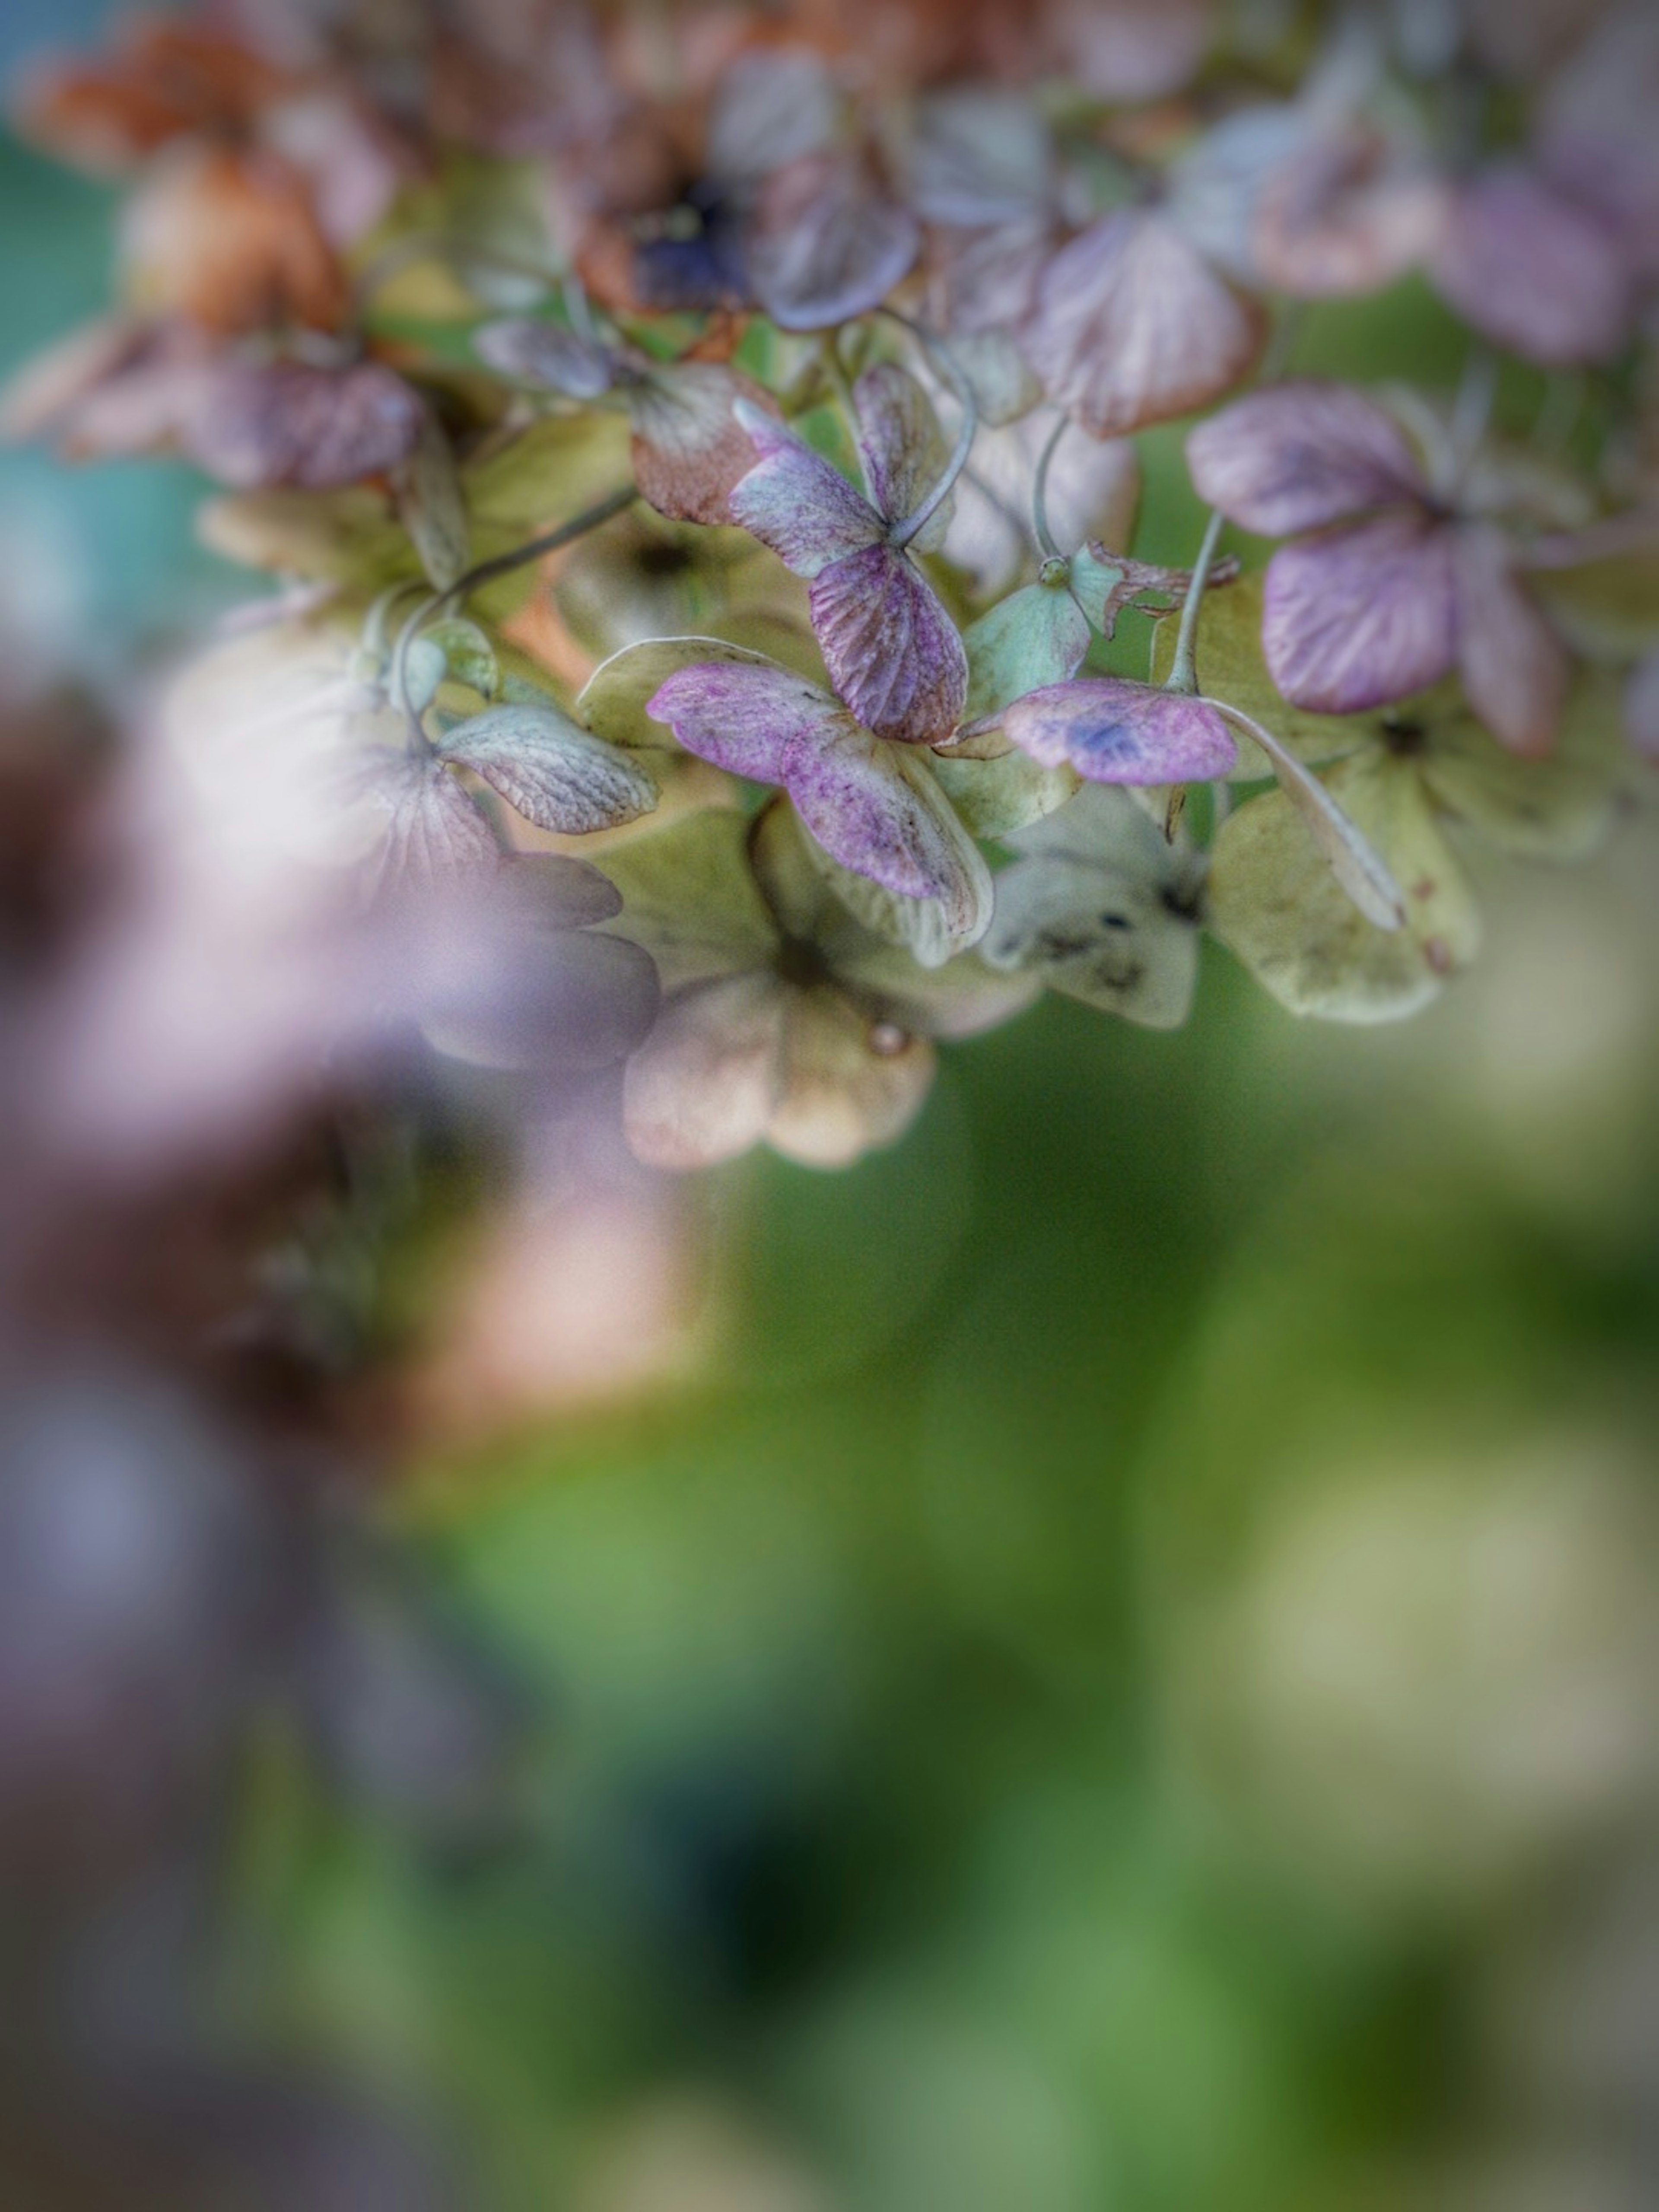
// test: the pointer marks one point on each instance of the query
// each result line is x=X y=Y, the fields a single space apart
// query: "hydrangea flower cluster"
x=700 y=447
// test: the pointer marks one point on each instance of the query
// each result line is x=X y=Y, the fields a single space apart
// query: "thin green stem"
x=1045 y=537
x=1184 y=675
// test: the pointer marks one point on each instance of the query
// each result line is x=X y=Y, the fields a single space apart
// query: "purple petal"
x=1298 y=456
x=899 y=438
x=753 y=719
x=988 y=280
x=892 y=651
x=1346 y=215
x=286 y=423
x=795 y=503
x=1532 y=272
x=850 y=789
x=1359 y=617
x=1642 y=708
x=1514 y=670
x=827 y=241
x=542 y=354
x=1133 y=327
x=1113 y=731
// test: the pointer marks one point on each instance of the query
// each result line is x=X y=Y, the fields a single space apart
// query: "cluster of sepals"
x=581 y=372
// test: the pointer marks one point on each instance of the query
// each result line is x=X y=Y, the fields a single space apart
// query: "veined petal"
x=690 y=449
x=556 y=775
x=794 y=501
x=1298 y=456
x=1533 y=271
x=900 y=440
x=707 y=1081
x=752 y=718
x=1514 y=669
x=827 y=241
x=1133 y=327
x=1362 y=615
x=432 y=827
x=892 y=651
x=1033 y=638
x=1113 y=731
x=690 y=898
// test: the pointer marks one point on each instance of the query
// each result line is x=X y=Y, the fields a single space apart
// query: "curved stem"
x=1045 y=537
x=1183 y=674
x=903 y=533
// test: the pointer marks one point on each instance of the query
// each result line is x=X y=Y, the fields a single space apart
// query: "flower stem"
x=1045 y=537
x=1184 y=675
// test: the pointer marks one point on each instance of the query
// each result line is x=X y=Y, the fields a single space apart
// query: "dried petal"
x=1642 y=708
x=770 y=109
x=552 y=773
x=988 y=280
x=433 y=506
x=286 y=423
x=704 y=1084
x=851 y=790
x=980 y=156
x=1532 y=272
x=542 y=354
x=903 y=450
x=1102 y=907
x=1274 y=904
x=690 y=450
x=1513 y=668
x=850 y=1083
x=1560 y=808
x=432 y=827
x=1113 y=731
x=690 y=897
x=1297 y=456
x=1133 y=327
x=1361 y=615
x=794 y=501
x=229 y=239
x=1349 y=213
x=827 y=241
x=892 y=651
x=1032 y=638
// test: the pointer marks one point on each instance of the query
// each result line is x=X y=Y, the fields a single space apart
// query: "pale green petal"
x=690 y=898
x=1034 y=637
x=1559 y=808
x=963 y=999
x=521 y=483
x=850 y=1083
x=1273 y=901
x=995 y=797
x=1606 y=608
x=1102 y=907
x=1231 y=668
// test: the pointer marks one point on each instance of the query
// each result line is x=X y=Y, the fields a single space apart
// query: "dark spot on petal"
x=1115 y=921
x=1404 y=737
x=1438 y=954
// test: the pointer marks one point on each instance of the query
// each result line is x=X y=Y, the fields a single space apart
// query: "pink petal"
x=1299 y=455
x=286 y=423
x=1346 y=215
x=753 y=719
x=1133 y=327
x=1359 y=617
x=988 y=280
x=794 y=501
x=1514 y=669
x=892 y=651
x=690 y=450
x=1113 y=731
x=827 y=241
x=1532 y=272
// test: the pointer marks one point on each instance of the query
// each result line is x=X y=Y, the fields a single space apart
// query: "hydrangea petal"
x=690 y=898
x=1513 y=667
x=1299 y=455
x=1133 y=327
x=1560 y=808
x=1104 y=907
x=1350 y=212
x=1032 y=638
x=1532 y=272
x=288 y=423
x=892 y=651
x=706 y=1082
x=1642 y=708
x=690 y=450
x=827 y=241
x=1362 y=615
x=432 y=827
x=554 y=774
x=794 y=501
x=1113 y=731
x=980 y=156
x=1231 y=667
x=851 y=1083
x=903 y=450
x=1273 y=902
x=541 y=353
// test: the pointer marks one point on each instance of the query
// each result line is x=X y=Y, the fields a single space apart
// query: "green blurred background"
x=1110 y=1663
